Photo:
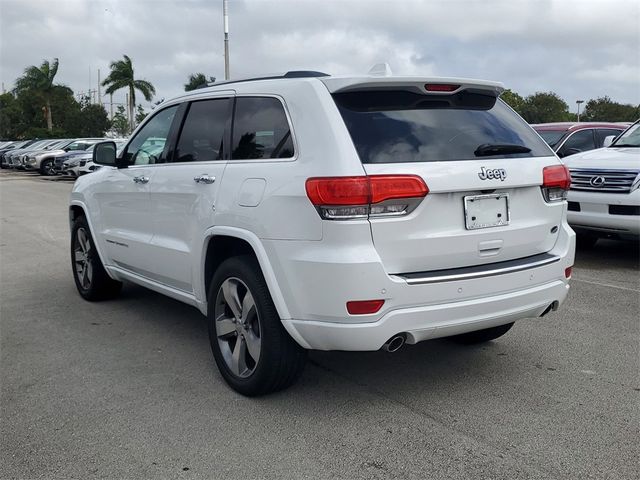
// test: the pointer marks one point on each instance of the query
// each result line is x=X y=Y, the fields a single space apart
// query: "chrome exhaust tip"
x=394 y=344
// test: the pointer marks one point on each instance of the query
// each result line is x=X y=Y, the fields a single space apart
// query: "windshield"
x=630 y=138
x=552 y=137
x=397 y=126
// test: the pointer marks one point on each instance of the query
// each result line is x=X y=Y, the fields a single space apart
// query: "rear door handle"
x=204 y=178
x=141 y=179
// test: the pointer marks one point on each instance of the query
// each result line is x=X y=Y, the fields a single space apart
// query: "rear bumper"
x=429 y=321
x=316 y=283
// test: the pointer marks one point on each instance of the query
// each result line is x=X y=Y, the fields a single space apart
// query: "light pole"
x=225 y=14
x=578 y=102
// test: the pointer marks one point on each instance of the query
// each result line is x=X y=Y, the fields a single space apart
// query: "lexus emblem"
x=597 y=181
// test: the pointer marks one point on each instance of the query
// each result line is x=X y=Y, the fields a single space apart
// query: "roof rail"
x=290 y=74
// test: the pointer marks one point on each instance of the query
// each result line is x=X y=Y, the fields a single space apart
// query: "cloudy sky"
x=579 y=49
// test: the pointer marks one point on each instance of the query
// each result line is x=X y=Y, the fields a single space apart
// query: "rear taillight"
x=568 y=271
x=346 y=198
x=556 y=181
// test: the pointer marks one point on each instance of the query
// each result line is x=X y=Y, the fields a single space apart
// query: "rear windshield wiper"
x=487 y=149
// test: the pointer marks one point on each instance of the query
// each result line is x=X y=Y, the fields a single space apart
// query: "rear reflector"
x=441 y=87
x=364 y=190
x=567 y=272
x=364 y=307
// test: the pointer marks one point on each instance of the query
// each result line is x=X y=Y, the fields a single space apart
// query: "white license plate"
x=485 y=211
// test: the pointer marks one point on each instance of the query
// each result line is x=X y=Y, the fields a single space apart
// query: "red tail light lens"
x=556 y=181
x=568 y=271
x=441 y=87
x=364 y=307
x=556 y=176
x=339 y=190
x=345 y=198
x=364 y=190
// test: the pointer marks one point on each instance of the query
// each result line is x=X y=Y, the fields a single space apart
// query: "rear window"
x=395 y=126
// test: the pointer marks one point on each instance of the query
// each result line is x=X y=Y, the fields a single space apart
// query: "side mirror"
x=104 y=153
x=608 y=140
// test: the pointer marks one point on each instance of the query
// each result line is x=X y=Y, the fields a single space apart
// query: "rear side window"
x=581 y=140
x=201 y=138
x=260 y=129
x=401 y=126
x=602 y=133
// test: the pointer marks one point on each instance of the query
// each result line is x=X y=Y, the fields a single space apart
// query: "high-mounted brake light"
x=344 y=198
x=441 y=87
x=556 y=181
x=364 y=307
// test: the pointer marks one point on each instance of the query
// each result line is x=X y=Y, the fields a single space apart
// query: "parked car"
x=569 y=138
x=44 y=162
x=4 y=162
x=13 y=156
x=333 y=213
x=604 y=200
x=71 y=162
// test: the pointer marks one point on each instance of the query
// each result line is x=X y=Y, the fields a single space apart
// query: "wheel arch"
x=76 y=209
x=223 y=242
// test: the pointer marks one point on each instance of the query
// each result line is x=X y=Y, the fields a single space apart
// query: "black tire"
x=586 y=240
x=481 y=336
x=100 y=285
x=46 y=167
x=280 y=360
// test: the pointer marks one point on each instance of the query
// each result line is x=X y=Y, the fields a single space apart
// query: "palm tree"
x=39 y=81
x=197 y=80
x=121 y=76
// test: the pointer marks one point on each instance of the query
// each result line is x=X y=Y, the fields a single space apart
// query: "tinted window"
x=260 y=129
x=552 y=137
x=147 y=147
x=602 y=133
x=202 y=134
x=401 y=126
x=582 y=141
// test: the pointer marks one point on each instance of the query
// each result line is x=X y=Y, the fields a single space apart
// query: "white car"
x=604 y=200
x=307 y=211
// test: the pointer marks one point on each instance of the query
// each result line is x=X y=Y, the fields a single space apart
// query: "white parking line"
x=606 y=285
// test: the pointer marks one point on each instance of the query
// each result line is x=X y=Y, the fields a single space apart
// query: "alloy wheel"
x=82 y=258
x=238 y=327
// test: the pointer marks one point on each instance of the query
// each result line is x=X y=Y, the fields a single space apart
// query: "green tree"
x=603 y=109
x=38 y=81
x=545 y=107
x=122 y=76
x=196 y=80
x=119 y=123
x=140 y=114
x=93 y=119
x=10 y=117
x=514 y=100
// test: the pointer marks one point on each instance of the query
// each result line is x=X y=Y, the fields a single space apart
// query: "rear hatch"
x=482 y=165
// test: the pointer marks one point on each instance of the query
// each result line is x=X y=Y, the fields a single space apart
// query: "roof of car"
x=344 y=83
x=572 y=126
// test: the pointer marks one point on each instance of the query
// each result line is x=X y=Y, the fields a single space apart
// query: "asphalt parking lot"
x=128 y=388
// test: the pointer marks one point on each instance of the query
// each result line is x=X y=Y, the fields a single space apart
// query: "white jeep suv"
x=307 y=211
